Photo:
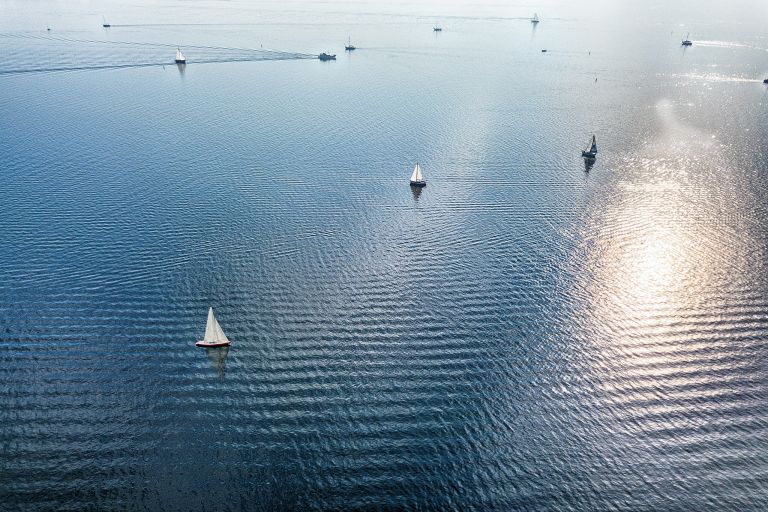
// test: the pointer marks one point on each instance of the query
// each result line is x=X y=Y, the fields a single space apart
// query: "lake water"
x=521 y=335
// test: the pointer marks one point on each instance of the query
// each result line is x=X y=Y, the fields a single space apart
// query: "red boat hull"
x=212 y=345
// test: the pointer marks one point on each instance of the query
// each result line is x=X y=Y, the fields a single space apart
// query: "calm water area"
x=522 y=334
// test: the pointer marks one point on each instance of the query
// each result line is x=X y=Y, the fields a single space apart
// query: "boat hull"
x=419 y=184
x=180 y=61
x=212 y=345
x=588 y=154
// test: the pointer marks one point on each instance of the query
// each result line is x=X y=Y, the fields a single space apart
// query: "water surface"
x=521 y=335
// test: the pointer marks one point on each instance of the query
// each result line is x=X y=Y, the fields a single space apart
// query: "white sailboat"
x=417 y=179
x=687 y=41
x=180 y=58
x=535 y=18
x=214 y=335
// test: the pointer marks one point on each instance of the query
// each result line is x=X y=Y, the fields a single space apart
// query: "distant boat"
x=535 y=18
x=687 y=40
x=765 y=81
x=544 y=51
x=592 y=151
x=417 y=179
x=437 y=28
x=325 y=56
x=104 y=22
x=214 y=335
x=349 y=47
x=180 y=58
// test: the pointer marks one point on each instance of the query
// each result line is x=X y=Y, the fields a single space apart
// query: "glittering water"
x=522 y=334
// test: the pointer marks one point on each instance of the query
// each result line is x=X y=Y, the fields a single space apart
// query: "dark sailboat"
x=592 y=151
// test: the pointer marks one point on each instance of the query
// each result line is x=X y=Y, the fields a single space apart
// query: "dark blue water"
x=521 y=335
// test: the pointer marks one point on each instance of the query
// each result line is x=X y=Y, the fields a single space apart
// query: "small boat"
x=180 y=58
x=417 y=180
x=535 y=18
x=543 y=51
x=349 y=47
x=765 y=81
x=214 y=336
x=104 y=22
x=437 y=28
x=325 y=56
x=592 y=151
x=687 y=40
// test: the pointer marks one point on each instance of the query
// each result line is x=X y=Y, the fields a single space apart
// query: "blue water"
x=521 y=335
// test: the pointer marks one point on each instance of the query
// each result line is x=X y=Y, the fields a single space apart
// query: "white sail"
x=416 y=176
x=179 y=55
x=213 y=331
x=220 y=336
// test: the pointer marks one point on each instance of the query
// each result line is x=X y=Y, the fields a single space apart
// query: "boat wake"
x=29 y=71
x=52 y=54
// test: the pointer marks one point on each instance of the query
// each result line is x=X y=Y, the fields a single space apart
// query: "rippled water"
x=522 y=334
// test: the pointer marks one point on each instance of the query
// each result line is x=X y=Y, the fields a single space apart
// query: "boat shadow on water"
x=218 y=357
x=182 y=67
x=416 y=192
x=534 y=26
x=588 y=164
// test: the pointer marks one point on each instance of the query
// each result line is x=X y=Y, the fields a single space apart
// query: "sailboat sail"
x=416 y=176
x=593 y=149
x=179 y=55
x=213 y=331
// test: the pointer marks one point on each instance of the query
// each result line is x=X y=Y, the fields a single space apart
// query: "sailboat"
x=214 y=336
x=535 y=18
x=104 y=22
x=417 y=180
x=437 y=27
x=349 y=47
x=180 y=58
x=592 y=151
x=687 y=40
